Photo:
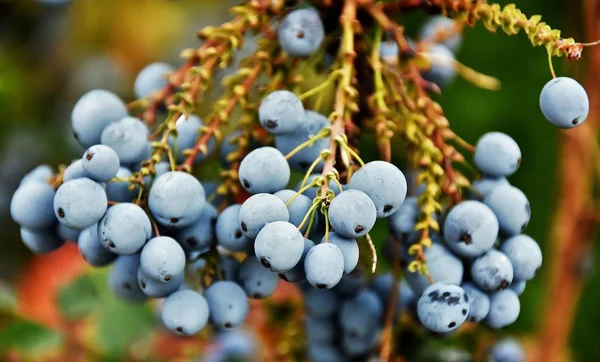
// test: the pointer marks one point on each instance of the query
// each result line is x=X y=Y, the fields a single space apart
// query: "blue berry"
x=314 y=122
x=486 y=185
x=122 y=279
x=443 y=25
x=511 y=208
x=258 y=282
x=382 y=285
x=188 y=131
x=124 y=229
x=157 y=289
x=80 y=203
x=324 y=353
x=40 y=241
x=349 y=249
x=229 y=232
x=67 y=234
x=281 y=112
x=41 y=173
x=264 y=170
x=152 y=78
x=32 y=206
x=384 y=183
x=100 y=163
x=354 y=346
x=504 y=309
x=497 y=154
x=91 y=248
x=324 y=266
x=518 y=286
x=564 y=102
x=162 y=259
x=319 y=330
x=176 y=199
x=93 y=112
x=321 y=303
x=403 y=221
x=259 y=210
x=298 y=208
x=470 y=229
x=492 y=271
x=361 y=315
x=119 y=191
x=279 y=246
x=388 y=51
x=443 y=266
x=350 y=285
x=227 y=303
x=507 y=350
x=440 y=74
x=352 y=214
x=73 y=171
x=524 y=254
x=200 y=236
x=185 y=312
x=301 y=32
x=128 y=137
x=443 y=307
x=479 y=302
x=297 y=273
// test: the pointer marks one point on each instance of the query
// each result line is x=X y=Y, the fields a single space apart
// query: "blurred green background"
x=50 y=54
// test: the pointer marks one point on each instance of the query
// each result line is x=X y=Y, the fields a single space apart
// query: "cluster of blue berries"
x=480 y=262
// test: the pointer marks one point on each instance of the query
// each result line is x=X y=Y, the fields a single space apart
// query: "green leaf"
x=28 y=336
x=79 y=298
x=120 y=324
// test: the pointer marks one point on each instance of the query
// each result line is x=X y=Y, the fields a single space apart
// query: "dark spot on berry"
x=76 y=136
x=265 y=262
x=464 y=312
x=466 y=237
x=228 y=325
x=445 y=294
x=271 y=124
x=504 y=284
x=238 y=234
x=300 y=34
x=352 y=334
x=358 y=229
x=466 y=298
x=387 y=208
x=167 y=278
x=451 y=325
x=283 y=277
x=473 y=319
x=321 y=286
x=142 y=284
x=89 y=156
x=244 y=227
x=127 y=286
x=179 y=330
x=246 y=183
x=523 y=227
x=519 y=161
x=111 y=244
x=61 y=212
x=258 y=283
x=174 y=220
x=191 y=241
x=575 y=121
